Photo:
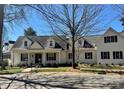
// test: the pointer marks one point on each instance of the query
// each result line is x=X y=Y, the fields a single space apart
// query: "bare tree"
x=9 y=14
x=74 y=21
x=119 y=8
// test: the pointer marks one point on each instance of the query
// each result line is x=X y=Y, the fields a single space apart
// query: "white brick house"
x=107 y=48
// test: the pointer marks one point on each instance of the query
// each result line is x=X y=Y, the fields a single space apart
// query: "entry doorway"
x=38 y=59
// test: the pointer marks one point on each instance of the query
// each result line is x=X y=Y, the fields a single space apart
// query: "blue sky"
x=41 y=27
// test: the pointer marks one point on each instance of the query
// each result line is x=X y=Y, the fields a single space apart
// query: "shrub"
x=106 y=64
x=4 y=62
x=21 y=65
x=102 y=72
x=120 y=64
x=112 y=64
x=92 y=64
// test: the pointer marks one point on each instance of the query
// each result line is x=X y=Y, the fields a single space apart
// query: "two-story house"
x=103 y=49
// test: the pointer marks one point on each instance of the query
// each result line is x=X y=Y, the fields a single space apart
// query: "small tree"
x=30 y=32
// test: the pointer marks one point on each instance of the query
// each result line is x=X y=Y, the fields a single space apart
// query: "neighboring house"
x=6 y=51
x=105 y=49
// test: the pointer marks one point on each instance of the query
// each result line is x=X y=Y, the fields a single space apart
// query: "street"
x=61 y=80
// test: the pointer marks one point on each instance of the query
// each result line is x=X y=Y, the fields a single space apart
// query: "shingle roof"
x=92 y=39
x=42 y=40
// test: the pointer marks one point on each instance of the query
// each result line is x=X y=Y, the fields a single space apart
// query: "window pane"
x=105 y=40
x=24 y=57
x=25 y=43
x=117 y=55
x=70 y=56
x=105 y=55
x=88 y=55
x=109 y=39
x=51 y=56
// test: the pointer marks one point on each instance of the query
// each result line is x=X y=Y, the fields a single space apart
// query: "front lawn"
x=100 y=69
x=12 y=70
x=58 y=69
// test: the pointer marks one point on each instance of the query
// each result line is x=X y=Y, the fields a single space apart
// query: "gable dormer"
x=50 y=43
x=26 y=42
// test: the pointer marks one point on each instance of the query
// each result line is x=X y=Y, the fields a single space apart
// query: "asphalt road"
x=61 y=80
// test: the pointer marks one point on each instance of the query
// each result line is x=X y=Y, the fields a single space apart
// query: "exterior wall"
x=63 y=56
x=16 y=58
x=90 y=61
x=80 y=56
x=101 y=47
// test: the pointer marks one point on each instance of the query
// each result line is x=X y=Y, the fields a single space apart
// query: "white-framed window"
x=24 y=57
x=69 y=55
x=105 y=55
x=88 y=55
x=50 y=56
x=25 y=43
x=51 y=43
x=117 y=55
x=110 y=39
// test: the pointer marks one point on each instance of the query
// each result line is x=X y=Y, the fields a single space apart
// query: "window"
x=24 y=57
x=105 y=55
x=69 y=55
x=51 y=43
x=87 y=45
x=25 y=43
x=117 y=55
x=51 y=56
x=88 y=55
x=109 y=39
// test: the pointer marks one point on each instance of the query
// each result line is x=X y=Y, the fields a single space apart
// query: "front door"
x=38 y=59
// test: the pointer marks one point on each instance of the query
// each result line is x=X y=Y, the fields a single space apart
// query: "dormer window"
x=51 y=43
x=25 y=43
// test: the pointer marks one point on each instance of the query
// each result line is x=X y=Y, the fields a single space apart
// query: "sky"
x=41 y=27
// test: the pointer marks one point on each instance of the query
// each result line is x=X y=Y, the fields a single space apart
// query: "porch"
x=33 y=57
x=40 y=59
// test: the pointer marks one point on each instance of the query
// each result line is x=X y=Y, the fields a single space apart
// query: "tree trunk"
x=73 y=54
x=73 y=39
x=1 y=29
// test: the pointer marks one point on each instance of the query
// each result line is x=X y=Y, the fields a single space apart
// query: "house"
x=43 y=50
x=6 y=51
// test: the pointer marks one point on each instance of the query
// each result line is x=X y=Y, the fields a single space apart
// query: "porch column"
x=59 y=57
x=44 y=58
x=12 y=58
x=29 y=59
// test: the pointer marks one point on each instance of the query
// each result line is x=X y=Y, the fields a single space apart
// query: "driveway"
x=71 y=80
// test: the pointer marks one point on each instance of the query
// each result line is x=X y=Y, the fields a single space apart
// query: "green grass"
x=12 y=70
x=102 y=67
x=59 y=69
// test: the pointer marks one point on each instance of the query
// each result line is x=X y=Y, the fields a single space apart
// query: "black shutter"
x=54 y=56
x=21 y=57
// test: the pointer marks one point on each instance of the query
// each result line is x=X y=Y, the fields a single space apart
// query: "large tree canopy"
x=74 y=21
